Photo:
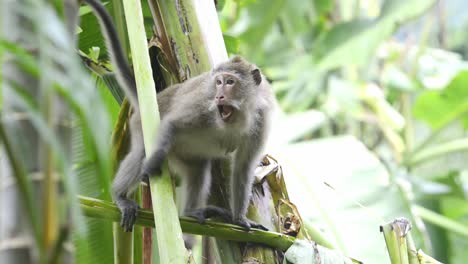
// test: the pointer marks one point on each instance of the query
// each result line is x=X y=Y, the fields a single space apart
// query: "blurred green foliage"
x=374 y=95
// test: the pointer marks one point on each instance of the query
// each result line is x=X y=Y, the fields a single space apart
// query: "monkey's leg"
x=196 y=184
x=197 y=208
x=210 y=211
x=125 y=182
x=198 y=181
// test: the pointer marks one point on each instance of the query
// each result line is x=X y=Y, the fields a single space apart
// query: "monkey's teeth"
x=226 y=115
x=225 y=111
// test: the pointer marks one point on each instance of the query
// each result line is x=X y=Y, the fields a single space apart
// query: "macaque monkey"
x=223 y=113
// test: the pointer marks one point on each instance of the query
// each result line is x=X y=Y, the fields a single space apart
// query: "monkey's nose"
x=220 y=98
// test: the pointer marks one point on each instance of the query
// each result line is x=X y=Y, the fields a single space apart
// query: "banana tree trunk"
x=189 y=39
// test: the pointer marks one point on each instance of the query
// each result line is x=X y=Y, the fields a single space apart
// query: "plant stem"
x=412 y=251
x=106 y=210
x=438 y=150
x=396 y=245
x=120 y=23
x=168 y=230
x=441 y=221
x=24 y=185
x=49 y=216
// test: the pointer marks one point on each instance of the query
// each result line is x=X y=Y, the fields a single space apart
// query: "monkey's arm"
x=247 y=157
x=173 y=104
x=166 y=135
x=241 y=185
x=128 y=176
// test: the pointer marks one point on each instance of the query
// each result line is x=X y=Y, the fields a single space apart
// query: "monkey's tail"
x=124 y=73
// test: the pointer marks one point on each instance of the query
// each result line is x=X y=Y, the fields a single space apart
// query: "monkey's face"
x=236 y=85
x=228 y=96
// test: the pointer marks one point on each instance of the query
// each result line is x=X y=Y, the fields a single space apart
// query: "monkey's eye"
x=218 y=82
x=230 y=81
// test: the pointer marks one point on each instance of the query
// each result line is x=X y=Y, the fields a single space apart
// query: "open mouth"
x=225 y=111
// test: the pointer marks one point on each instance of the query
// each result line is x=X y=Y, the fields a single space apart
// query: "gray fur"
x=192 y=133
x=199 y=135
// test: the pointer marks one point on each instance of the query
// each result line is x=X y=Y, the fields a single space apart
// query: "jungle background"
x=373 y=97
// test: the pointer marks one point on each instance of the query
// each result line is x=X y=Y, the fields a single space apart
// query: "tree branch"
x=105 y=210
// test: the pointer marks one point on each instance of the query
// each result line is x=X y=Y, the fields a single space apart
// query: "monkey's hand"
x=145 y=179
x=153 y=166
x=247 y=224
x=129 y=210
x=149 y=171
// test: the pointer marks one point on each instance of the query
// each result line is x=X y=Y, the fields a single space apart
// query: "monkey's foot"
x=218 y=212
x=129 y=210
x=210 y=212
x=247 y=224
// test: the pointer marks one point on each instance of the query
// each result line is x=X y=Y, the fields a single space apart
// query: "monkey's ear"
x=257 y=76
x=237 y=59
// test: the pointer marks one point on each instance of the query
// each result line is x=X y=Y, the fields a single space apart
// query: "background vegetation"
x=373 y=97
